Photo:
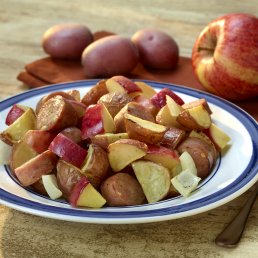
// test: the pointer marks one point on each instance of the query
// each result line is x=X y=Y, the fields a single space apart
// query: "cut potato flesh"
x=122 y=154
x=146 y=124
x=185 y=182
x=50 y=184
x=173 y=107
x=154 y=179
x=201 y=116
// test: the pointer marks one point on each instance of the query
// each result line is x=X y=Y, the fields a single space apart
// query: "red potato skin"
x=31 y=171
x=67 y=176
x=66 y=41
x=98 y=167
x=156 y=49
x=102 y=58
x=122 y=189
x=94 y=94
x=56 y=114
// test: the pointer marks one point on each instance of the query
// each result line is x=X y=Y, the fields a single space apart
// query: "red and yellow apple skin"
x=15 y=112
x=225 y=56
x=68 y=150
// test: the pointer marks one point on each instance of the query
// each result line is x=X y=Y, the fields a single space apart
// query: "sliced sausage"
x=56 y=114
x=201 y=152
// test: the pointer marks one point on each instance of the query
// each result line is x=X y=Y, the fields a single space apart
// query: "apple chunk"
x=164 y=156
x=97 y=120
x=196 y=118
x=122 y=152
x=121 y=84
x=68 y=150
x=96 y=164
x=159 y=99
x=16 y=131
x=217 y=136
x=154 y=179
x=14 y=113
x=31 y=171
x=85 y=195
x=143 y=130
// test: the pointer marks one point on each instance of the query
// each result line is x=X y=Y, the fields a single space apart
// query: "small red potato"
x=112 y=55
x=157 y=49
x=95 y=93
x=66 y=41
x=122 y=189
x=67 y=176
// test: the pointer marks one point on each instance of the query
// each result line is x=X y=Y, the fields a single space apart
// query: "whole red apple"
x=225 y=56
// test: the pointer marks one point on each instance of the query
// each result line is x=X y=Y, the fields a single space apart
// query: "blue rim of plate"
x=244 y=179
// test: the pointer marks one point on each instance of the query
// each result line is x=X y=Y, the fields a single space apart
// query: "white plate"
x=234 y=173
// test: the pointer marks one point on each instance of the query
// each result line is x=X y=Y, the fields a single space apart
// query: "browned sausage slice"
x=56 y=114
x=202 y=154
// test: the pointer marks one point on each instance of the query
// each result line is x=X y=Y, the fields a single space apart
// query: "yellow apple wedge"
x=85 y=195
x=154 y=179
x=122 y=152
x=16 y=131
x=143 y=130
x=217 y=136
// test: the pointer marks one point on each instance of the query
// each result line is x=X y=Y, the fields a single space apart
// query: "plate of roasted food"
x=120 y=151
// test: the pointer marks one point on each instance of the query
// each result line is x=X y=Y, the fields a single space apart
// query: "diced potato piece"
x=154 y=179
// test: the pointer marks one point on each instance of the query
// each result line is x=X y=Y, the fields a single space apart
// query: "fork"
x=232 y=233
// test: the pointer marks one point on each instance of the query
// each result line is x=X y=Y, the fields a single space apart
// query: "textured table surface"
x=22 y=23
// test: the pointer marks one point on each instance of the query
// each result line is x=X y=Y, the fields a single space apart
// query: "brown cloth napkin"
x=50 y=71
